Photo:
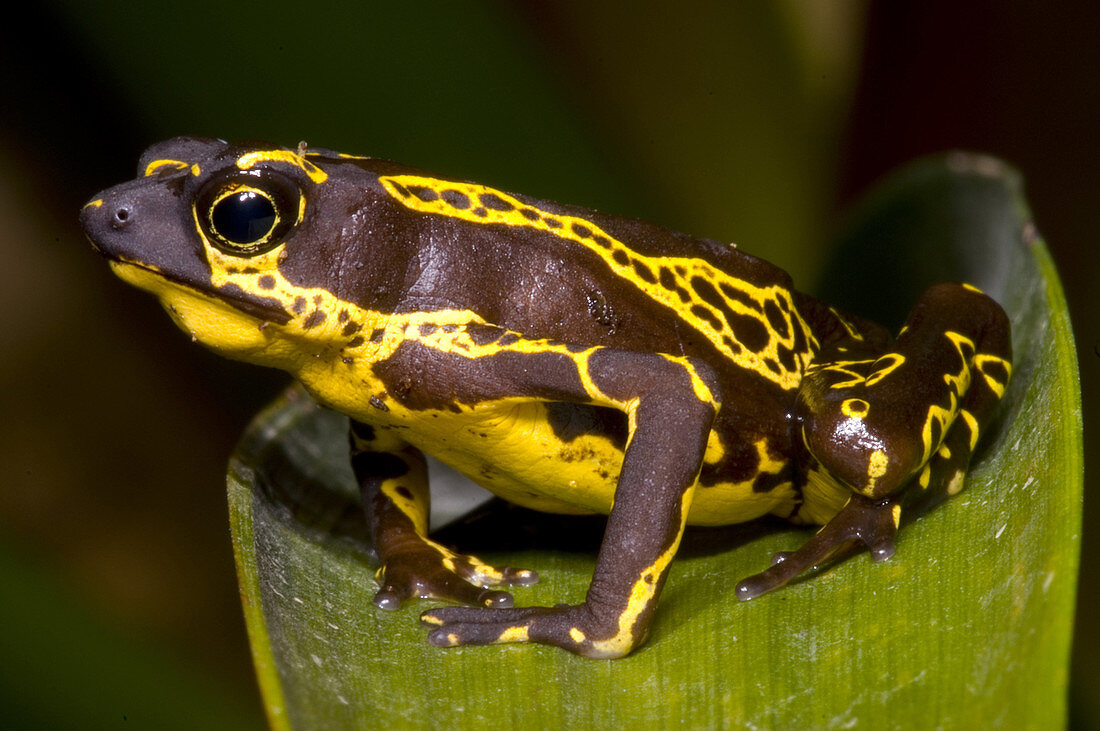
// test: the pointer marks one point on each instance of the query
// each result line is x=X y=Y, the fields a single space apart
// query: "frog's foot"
x=571 y=627
x=431 y=571
x=872 y=523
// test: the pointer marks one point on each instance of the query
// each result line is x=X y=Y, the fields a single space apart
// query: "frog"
x=569 y=361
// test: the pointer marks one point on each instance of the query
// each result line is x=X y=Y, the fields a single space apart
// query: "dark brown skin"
x=567 y=359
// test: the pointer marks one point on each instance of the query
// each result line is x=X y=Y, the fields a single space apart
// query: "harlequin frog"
x=569 y=361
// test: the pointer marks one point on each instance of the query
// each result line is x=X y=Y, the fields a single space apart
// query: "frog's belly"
x=515 y=454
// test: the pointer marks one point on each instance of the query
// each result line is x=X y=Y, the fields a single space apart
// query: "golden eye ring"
x=248 y=215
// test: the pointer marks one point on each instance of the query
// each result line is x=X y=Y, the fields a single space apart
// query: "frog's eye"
x=243 y=217
x=248 y=215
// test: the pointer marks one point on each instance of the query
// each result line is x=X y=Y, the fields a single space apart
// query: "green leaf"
x=967 y=625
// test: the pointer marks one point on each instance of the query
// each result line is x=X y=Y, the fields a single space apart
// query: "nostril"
x=122 y=216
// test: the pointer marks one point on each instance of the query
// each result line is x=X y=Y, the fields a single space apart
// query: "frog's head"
x=233 y=239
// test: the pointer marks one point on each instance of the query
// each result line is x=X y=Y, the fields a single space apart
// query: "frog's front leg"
x=671 y=403
x=894 y=427
x=393 y=481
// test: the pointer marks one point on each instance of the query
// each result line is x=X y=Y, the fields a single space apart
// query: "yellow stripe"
x=972 y=425
x=250 y=160
x=157 y=164
x=642 y=593
x=489 y=206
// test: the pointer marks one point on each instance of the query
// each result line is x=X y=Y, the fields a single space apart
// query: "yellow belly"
x=514 y=453
x=509 y=448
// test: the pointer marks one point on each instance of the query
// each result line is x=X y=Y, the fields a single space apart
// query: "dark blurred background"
x=758 y=123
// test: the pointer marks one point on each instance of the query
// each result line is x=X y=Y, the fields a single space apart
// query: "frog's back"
x=566 y=273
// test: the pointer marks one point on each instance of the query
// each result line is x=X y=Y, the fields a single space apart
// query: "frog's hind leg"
x=393 y=480
x=895 y=430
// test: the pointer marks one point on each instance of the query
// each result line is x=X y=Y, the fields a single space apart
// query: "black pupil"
x=244 y=217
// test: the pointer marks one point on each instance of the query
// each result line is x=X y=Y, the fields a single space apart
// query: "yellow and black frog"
x=567 y=360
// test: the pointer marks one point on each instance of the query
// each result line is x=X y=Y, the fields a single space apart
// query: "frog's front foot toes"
x=443 y=575
x=571 y=627
x=468 y=626
x=482 y=574
x=443 y=585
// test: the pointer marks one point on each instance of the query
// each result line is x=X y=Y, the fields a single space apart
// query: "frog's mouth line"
x=263 y=309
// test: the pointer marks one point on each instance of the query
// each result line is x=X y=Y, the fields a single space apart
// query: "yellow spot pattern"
x=855 y=408
x=877 y=464
x=513 y=634
x=925 y=477
x=339 y=372
x=737 y=502
x=971 y=425
x=958 y=383
x=413 y=509
x=955 y=486
x=981 y=360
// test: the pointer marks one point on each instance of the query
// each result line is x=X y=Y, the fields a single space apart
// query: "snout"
x=147 y=222
x=102 y=219
x=108 y=217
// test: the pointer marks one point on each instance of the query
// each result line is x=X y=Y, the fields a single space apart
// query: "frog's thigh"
x=947 y=370
x=980 y=352
x=873 y=424
x=393 y=482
